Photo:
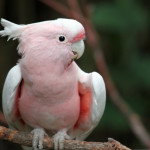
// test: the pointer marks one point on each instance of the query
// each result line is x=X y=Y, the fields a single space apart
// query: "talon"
x=38 y=135
x=59 y=139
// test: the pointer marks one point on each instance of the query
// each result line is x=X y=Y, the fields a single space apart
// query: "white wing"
x=94 y=83
x=10 y=90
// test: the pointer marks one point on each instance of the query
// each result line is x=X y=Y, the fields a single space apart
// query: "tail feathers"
x=11 y=30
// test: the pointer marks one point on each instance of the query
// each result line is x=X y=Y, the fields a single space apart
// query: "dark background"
x=123 y=26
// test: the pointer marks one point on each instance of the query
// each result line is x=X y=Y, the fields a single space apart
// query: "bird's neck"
x=42 y=61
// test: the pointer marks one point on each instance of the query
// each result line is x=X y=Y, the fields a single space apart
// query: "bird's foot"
x=59 y=139
x=38 y=135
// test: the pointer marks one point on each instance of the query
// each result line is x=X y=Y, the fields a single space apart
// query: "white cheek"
x=78 y=47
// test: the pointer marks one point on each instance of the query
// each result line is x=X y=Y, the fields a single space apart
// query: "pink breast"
x=58 y=116
x=53 y=104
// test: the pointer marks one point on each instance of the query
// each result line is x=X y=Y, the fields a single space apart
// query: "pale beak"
x=77 y=49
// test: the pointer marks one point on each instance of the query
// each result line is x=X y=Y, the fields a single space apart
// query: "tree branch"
x=93 y=41
x=25 y=139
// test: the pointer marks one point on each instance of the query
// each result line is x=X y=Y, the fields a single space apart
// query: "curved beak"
x=78 y=45
x=77 y=49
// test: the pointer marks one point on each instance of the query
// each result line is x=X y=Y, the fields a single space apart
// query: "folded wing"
x=92 y=103
x=10 y=98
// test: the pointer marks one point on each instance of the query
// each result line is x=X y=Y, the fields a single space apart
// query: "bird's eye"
x=62 y=39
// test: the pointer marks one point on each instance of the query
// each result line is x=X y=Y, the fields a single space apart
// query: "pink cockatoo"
x=46 y=92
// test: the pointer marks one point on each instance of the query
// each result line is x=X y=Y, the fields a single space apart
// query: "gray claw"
x=59 y=139
x=38 y=135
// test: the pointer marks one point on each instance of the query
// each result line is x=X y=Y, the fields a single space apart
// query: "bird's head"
x=64 y=37
x=71 y=33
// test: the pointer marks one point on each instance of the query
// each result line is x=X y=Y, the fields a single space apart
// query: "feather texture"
x=11 y=30
x=90 y=83
x=47 y=89
x=10 y=89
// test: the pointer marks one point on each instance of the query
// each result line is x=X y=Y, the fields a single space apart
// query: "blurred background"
x=124 y=36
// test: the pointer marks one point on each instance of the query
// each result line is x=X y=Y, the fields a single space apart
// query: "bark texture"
x=25 y=139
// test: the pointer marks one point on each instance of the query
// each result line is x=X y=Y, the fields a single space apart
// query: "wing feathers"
x=93 y=83
x=11 y=84
x=99 y=96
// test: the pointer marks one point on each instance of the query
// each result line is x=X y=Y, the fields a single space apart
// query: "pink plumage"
x=50 y=93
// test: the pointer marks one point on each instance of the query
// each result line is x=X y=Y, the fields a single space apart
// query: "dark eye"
x=62 y=38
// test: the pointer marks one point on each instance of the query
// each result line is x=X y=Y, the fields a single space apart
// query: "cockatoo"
x=46 y=92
